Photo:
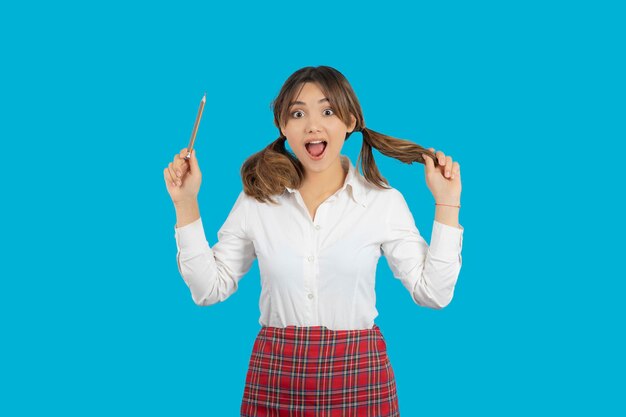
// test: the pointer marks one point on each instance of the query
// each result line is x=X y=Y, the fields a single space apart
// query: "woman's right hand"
x=183 y=187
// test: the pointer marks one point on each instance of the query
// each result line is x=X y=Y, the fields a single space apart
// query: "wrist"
x=183 y=204
x=186 y=212
x=448 y=202
x=448 y=215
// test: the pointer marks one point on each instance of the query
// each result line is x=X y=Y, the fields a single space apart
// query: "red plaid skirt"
x=318 y=372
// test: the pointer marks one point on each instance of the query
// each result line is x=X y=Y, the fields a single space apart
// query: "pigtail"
x=270 y=170
x=400 y=149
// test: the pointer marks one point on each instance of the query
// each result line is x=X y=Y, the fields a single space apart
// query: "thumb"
x=428 y=162
x=193 y=163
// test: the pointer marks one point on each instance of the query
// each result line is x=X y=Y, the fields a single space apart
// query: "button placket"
x=312 y=258
x=310 y=289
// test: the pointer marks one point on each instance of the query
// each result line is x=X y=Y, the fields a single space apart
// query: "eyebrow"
x=302 y=103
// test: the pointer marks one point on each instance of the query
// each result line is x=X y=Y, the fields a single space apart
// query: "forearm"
x=448 y=215
x=186 y=212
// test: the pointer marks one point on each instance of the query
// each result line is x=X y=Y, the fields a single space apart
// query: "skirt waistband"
x=316 y=333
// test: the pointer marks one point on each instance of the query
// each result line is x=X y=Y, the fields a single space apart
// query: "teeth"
x=317 y=141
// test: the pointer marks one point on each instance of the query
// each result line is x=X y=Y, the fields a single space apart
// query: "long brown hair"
x=270 y=170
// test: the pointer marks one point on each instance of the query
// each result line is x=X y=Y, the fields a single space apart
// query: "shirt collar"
x=354 y=179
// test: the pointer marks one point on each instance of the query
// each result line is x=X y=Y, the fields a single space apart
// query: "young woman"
x=318 y=227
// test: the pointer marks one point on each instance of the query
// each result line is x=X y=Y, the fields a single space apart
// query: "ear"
x=352 y=124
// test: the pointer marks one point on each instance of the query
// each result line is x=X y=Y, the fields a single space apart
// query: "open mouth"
x=316 y=148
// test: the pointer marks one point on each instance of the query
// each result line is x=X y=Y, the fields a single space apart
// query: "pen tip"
x=204 y=97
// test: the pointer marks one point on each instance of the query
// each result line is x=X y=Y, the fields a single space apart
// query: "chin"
x=320 y=165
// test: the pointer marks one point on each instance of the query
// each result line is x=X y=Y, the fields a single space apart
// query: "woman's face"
x=312 y=119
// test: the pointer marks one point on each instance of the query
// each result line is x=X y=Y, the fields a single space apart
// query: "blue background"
x=98 y=97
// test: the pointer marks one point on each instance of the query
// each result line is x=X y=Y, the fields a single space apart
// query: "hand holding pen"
x=183 y=176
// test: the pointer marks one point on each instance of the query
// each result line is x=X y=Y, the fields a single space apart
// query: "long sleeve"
x=428 y=273
x=213 y=274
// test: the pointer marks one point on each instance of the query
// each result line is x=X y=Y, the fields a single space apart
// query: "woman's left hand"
x=444 y=180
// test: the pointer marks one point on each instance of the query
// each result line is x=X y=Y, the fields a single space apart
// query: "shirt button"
x=317 y=227
x=310 y=296
x=310 y=258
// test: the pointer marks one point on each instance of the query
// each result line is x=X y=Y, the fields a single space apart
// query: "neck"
x=324 y=183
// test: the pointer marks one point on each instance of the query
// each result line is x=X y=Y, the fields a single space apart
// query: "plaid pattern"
x=318 y=372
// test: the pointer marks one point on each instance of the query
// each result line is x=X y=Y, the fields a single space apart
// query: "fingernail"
x=178 y=173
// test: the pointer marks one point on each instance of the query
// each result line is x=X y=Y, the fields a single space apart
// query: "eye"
x=297 y=114
x=329 y=112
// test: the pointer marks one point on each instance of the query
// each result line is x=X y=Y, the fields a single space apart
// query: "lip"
x=314 y=140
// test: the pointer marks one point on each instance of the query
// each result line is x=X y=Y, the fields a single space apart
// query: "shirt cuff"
x=446 y=241
x=190 y=236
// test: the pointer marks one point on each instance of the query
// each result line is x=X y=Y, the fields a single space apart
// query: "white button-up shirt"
x=321 y=272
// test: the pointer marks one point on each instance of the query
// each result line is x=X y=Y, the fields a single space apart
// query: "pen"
x=195 y=127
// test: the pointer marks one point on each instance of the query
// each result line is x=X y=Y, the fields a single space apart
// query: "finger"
x=180 y=166
x=193 y=163
x=425 y=155
x=441 y=158
x=456 y=172
x=169 y=181
x=181 y=157
x=436 y=161
x=448 y=167
x=428 y=163
x=183 y=154
x=173 y=174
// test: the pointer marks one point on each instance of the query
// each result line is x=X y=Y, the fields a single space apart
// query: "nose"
x=313 y=124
